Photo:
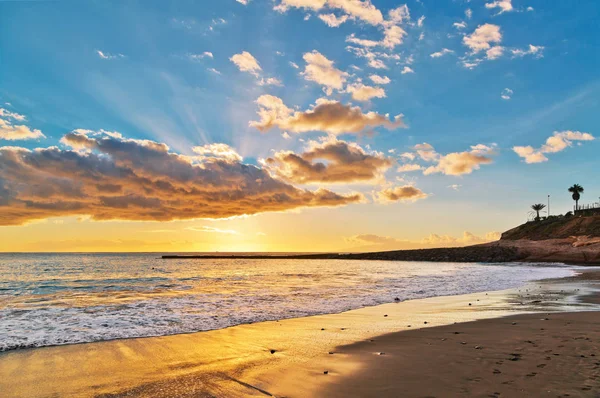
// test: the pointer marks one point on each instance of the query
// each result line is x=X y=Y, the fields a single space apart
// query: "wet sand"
x=555 y=355
x=290 y=357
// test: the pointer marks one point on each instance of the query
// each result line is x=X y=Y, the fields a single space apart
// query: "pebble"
x=273 y=351
x=325 y=372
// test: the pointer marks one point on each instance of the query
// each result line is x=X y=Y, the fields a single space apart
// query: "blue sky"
x=142 y=69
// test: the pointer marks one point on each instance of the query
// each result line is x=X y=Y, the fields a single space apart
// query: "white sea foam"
x=65 y=299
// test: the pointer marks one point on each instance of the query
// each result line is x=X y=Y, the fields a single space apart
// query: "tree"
x=537 y=208
x=576 y=190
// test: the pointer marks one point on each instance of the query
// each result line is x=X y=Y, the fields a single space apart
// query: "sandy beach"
x=471 y=345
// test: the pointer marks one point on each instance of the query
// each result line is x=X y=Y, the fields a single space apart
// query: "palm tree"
x=537 y=208
x=576 y=190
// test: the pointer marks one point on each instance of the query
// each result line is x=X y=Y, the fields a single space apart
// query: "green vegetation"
x=555 y=227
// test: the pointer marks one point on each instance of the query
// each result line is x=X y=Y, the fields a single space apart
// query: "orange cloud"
x=345 y=162
x=328 y=116
x=406 y=193
x=109 y=177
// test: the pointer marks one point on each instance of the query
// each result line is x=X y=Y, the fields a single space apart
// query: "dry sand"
x=431 y=361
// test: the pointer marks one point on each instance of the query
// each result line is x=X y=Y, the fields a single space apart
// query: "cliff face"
x=555 y=228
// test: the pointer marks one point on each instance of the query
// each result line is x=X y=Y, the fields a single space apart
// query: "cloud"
x=494 y=52
x=407 y=69
x=481 y=38
x=270 y=81
x=361 y=42
x=328 y=161
x=284 y=5
x=355 y=9
x=246 y=63
x=217 y=151
x=460 y=163
x=409 y=167
x=536 y=51
x=213 y=70
x=455 y=163
x=320 y=70
x=420 y=21
x=360 y=92
x=108 y=177
x=460 y=25
x=197 y=57
x=244 y=2
x=408 y=155
x=358 y=9
x=503 y=5
x=456 y=187
x=506 y=94
x=469 y=13
x=441 y=53
x=380 y=79
x=105 y=55
x=13 y=132
x=558 y=142
x=406 y=193
x=328 y=116
x=392 y=36
x=332 y=20
x=377 y=64
x=426 y=152
x=372 y=242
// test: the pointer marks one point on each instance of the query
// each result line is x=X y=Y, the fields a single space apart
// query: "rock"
x=326 y=372
x=469 y=303
x=330 y=352
x=425 y=322
x=478 y=347
x=381 y=353
x=396 y=299
x=385 y=315
x=273 y=351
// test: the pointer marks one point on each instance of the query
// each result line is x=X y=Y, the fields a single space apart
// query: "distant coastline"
x=569 y=240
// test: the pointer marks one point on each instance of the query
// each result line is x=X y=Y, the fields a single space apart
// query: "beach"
x=516 y=342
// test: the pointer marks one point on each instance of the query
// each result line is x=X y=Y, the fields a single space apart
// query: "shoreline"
x=33 y=347
x=228 y=361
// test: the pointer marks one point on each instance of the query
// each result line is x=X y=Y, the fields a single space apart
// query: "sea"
x=54 y=299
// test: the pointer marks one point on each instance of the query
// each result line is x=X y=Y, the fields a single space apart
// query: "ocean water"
x=50 y=299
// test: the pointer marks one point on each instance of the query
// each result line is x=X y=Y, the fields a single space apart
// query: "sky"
x=291 y=125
